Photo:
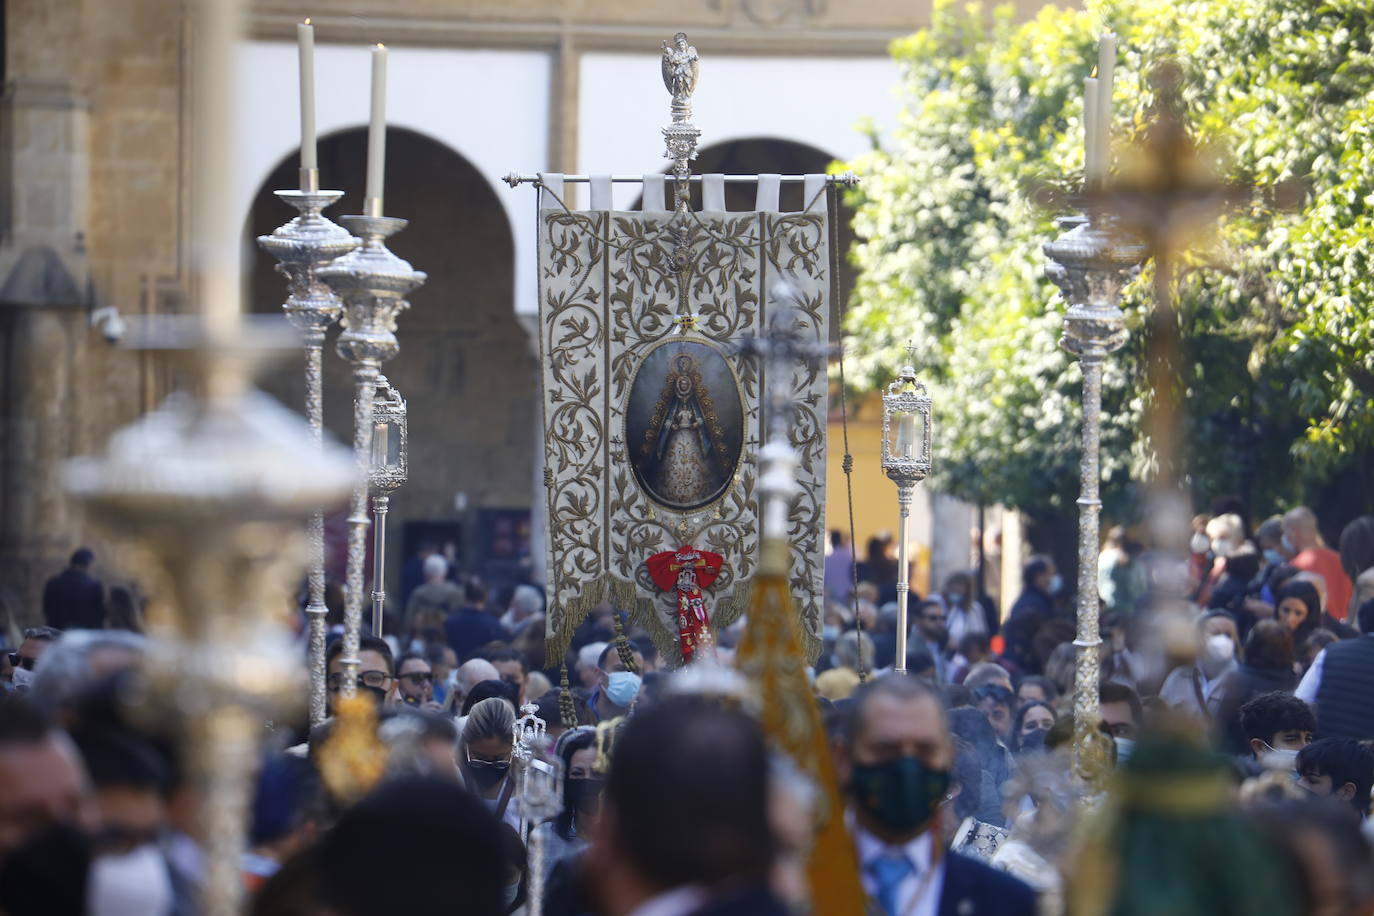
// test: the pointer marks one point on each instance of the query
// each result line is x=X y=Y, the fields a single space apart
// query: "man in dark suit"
x=74 y=599
x=1032 y=610
x=684 y=827
x=470 y=627
x=896 y=763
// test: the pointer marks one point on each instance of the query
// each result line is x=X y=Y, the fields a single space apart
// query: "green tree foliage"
x=1277 y=314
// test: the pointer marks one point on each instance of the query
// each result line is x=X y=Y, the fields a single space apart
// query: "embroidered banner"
x=651 y=422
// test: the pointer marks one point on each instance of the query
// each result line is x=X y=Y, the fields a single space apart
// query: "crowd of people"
x=1238 y=706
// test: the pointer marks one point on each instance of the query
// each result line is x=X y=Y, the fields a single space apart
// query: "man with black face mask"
x=46 y=816
x=376 y=669
x=896 y=764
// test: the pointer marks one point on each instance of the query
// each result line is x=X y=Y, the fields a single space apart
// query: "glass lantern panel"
x=381 y=444
x=907 y=432
x=393 y=448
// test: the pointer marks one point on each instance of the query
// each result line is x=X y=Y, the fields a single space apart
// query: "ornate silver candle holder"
x=1090 y=263
x=207 y=495
x=302 y=247
x=373 y=283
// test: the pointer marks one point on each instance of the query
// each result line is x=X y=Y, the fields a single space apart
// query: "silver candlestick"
x=303 y=246
x=373 y=283
x=1090 y=263
x=390 y=447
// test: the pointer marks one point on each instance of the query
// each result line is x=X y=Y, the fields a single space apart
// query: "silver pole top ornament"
x=681 y=68
x=528 y=732
x=906 y=426
x=391 y=453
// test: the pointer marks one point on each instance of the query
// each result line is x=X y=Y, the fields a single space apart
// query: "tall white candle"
x=214 y=226
x=1091 y=165
x=305 y=41
x=376 y=131
x=906 y=435
x=1106 y=65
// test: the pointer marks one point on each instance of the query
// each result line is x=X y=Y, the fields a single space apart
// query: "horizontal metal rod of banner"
x=846 y=179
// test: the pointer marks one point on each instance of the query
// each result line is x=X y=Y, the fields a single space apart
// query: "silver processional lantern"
x=389 y=470
x=906 y=460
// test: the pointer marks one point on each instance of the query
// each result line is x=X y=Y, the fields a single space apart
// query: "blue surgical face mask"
x=830 y=632
x=1288 y=545
x=1056 y=584
x=1124 y=748
x=512 y=891
x=622 y=687
x=1272 y=556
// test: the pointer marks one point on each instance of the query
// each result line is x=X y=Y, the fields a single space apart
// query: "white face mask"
x=1276 y=759
x=133 y=884
x=1200 y=543
x=1219 y=648
x=23 y=679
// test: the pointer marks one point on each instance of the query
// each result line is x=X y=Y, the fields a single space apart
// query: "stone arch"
x=465 y=364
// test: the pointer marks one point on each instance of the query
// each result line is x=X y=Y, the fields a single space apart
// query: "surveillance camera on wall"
x=110 y=323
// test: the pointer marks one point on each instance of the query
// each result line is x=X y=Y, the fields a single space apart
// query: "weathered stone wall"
x=92 y=172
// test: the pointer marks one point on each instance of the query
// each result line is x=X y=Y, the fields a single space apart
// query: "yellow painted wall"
x=875 y=497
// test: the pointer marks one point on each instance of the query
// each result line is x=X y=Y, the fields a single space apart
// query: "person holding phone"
x=415 y=682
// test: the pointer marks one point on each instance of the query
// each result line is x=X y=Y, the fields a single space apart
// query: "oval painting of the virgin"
x=684 y=425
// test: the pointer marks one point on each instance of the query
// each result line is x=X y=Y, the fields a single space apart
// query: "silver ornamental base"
x=303 y=246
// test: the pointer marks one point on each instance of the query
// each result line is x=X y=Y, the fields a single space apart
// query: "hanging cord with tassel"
x=567 y=706
x=622 y=645
x=832 y=199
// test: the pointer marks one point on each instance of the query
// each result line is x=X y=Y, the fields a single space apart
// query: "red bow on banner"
x=688 y=570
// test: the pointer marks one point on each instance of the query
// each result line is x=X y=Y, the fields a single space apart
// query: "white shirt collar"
x=676 y=902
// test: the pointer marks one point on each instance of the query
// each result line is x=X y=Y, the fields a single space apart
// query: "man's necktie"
x=889 y=871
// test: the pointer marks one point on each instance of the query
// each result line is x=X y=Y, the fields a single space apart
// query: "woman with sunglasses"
x=484 y=757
